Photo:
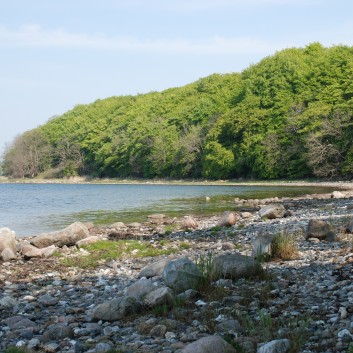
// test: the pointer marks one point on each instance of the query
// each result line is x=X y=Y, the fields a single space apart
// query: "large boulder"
x=272 y=211
x=228 y=219
x=116 y=309
x=234 y=266
x=318 y=228
x=181 y=274
x=68 y=236
x=208 y=344
x=8 y=244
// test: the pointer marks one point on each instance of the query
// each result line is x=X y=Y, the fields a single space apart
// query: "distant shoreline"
x=81 y=180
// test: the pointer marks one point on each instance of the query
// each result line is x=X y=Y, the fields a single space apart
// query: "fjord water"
x=31 y=209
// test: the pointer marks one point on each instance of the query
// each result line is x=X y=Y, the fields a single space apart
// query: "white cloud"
x=32 y=36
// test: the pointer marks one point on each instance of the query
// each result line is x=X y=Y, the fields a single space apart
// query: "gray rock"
x=272 y=211
x=318 y=228
x=155 y=269
x=116 y=309
x=102 y=347
x=68 y=236
x=228 y=219
x=275 y=346
x=57 y=332
x=48 y=300
x=209 y=344
x=18 y=322
x=181 y=275
x=7 y=302
x=262 y=246
x=159 y=296
x=139 y=289
x=234 y=266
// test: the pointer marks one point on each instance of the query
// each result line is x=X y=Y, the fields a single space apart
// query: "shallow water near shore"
x=31 y=209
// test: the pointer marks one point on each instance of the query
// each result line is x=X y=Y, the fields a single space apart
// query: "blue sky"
x=56 y=54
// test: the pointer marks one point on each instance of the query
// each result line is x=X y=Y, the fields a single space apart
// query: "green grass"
x=105 y=251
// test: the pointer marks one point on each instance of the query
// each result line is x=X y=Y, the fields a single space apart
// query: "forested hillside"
x=289 y=116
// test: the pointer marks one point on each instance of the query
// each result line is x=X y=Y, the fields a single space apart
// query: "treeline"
x=289 y=116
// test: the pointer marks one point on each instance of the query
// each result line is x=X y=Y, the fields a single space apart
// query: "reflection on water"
x=31 y=209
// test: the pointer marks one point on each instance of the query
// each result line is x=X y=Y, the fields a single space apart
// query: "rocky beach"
x=204 y=284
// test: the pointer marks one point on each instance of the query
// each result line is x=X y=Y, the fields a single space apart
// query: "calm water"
x=30 y=209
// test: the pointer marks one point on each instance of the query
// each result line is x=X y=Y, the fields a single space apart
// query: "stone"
x=29 y=251
x=189 y=223
x=262 y=246
x=234 y=266
x=68 y=236
x=139 y=289
x=228 y=219
x=116 y=309
x=338 y=195
x=275 y=346
x=7 y=302
x=159 y=296
x=156 y=218
x=181 y=274
x=48 y=300
x=272 y=211
x=228 y=246
x=89 y=240
x=57 y=332
x=8 y=242
x=158 y=331
x=155 y=269
x=102 y=347
x=118 y=225
x=209 y=344
x=7 y=254
x=317 y=228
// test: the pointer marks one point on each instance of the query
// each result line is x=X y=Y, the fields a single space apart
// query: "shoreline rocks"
x=46 y=307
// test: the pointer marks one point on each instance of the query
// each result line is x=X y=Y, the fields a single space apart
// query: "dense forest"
x=288 y=116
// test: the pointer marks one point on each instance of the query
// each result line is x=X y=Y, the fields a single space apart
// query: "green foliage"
x=289 y=116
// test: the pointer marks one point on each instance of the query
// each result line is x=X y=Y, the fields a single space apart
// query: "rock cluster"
x=163 y=304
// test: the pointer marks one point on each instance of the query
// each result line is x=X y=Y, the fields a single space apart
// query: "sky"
x=55 y=54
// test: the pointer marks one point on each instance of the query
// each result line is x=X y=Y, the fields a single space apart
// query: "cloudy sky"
x=56 y=54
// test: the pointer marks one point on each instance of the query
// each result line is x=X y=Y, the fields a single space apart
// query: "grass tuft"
x=284 y=247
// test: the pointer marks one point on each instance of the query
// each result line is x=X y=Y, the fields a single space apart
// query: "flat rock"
x=68 y=236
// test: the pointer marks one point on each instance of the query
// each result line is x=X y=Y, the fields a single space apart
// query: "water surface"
x=31 y=209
